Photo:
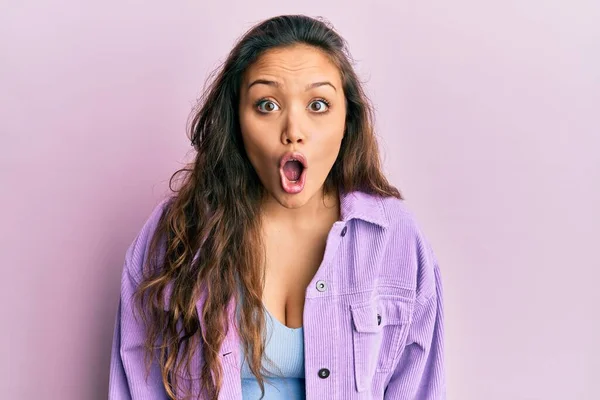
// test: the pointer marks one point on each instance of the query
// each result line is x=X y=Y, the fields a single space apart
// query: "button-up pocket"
x=378 y=336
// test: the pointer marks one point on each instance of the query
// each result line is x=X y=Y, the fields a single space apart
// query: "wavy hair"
x=208 y=239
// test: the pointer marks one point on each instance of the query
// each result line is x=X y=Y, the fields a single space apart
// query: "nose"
x=292 y=131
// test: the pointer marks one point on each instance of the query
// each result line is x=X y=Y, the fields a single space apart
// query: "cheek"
x=258 y=148
x=330 y=143
x=249 y=134
x=255 y=151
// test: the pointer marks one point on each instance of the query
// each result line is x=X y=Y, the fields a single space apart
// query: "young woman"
x=285 y=264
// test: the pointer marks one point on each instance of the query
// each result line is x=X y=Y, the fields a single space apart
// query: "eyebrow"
x=317 y=84
x=276 y=84
x=264 y=82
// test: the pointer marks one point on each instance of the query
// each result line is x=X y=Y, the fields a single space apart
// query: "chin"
x=291 y=201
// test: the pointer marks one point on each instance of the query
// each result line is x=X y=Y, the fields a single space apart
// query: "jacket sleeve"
x=419 y=374
x=127 y=369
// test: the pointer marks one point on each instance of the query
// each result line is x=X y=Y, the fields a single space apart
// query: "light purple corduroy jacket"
x=373 y=315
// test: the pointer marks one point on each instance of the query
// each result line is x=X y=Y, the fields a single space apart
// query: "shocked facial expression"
x=292 y=117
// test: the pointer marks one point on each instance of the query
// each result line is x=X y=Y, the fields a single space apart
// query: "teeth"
x=297 y=160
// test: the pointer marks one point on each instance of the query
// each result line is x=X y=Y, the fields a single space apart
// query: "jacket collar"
x=364 y=206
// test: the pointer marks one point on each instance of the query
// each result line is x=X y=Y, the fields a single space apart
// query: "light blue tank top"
x=285 y=348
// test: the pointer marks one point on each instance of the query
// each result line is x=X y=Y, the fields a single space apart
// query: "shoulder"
x=137 y=252
x=397 y=212
x=401 y=222
x=410 y=247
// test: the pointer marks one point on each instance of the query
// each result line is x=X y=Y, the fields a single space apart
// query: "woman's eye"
x=318 y=106
x=267 y=106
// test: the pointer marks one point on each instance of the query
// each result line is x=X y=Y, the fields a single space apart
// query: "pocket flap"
x=365 y=318
x=395 y=311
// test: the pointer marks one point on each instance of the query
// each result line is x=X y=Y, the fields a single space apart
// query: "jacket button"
x=378 y=319
x=321 y=286
x=323 y=373
x=344 y=231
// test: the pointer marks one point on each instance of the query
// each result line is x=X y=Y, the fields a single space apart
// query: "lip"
x=296 y=186
x=293 y=155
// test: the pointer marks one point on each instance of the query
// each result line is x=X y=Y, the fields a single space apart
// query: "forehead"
x=299 y=63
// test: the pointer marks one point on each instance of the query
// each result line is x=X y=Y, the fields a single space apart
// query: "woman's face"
x=292 y=116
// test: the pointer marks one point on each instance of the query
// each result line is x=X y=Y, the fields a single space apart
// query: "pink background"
x=488 y=113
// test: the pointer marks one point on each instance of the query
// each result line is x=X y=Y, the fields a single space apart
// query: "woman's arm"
x=420 y=374
x=127 y=369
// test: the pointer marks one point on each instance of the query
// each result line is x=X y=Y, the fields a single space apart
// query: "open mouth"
x=292 y=169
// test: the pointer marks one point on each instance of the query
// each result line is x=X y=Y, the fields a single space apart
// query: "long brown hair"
x=214 y=214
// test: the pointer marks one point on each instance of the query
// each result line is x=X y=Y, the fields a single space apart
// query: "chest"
x=292 y=259
x=356 y=308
